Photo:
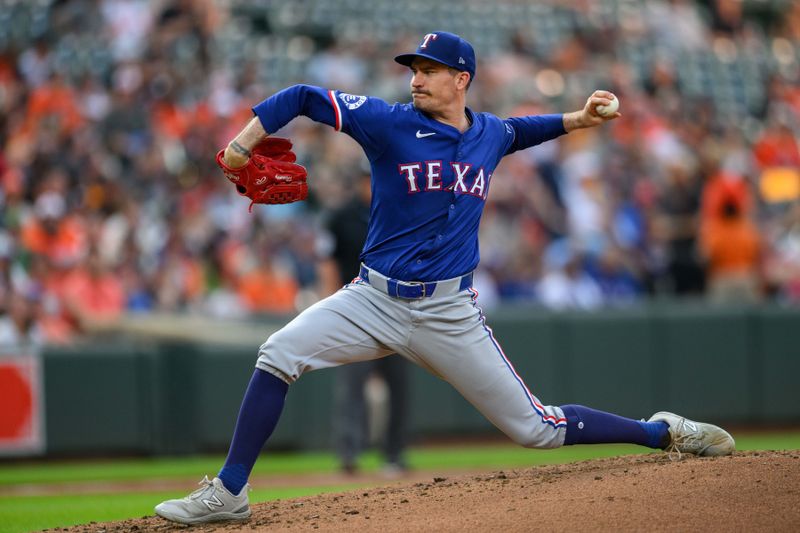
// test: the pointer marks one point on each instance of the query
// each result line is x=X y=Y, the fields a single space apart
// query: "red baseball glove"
x=271 y=176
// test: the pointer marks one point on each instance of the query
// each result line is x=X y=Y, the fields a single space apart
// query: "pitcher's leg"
x=330 y=333
x=470 y=358
x=258 y=415
x=456 y=344
x=590 y=426
x=343 y=328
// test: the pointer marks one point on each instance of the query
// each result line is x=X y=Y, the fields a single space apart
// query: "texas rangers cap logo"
x=446 y=48
x=428 y=37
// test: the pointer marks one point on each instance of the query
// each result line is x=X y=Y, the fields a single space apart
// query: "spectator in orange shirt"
x=724 y=187
x=265 y=288
x=93 y=295
x=55 y=104
x=731 y=245
x=53 y=233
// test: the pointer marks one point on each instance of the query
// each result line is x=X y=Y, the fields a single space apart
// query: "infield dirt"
x=751 y=491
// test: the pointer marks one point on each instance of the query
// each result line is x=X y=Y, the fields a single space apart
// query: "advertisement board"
x=21 y=402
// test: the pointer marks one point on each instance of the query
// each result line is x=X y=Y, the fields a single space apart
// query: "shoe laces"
x=673 y=452
x=682 y=439
x=204 y=483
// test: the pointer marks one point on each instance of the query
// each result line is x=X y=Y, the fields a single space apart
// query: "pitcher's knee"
x=273 y=357
x=542 y=438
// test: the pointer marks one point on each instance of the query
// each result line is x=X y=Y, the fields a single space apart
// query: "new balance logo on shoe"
x=213 y=502
x=210 y=503
x=421 y=135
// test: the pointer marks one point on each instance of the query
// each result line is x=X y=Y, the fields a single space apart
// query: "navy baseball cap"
x=444 y=47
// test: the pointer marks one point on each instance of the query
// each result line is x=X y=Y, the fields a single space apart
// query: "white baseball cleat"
x=699 y=438
x=210 y=503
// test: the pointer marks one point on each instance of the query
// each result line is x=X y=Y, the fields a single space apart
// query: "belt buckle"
x=411 y=284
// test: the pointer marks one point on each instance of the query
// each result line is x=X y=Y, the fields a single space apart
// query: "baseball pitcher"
x=432 y=163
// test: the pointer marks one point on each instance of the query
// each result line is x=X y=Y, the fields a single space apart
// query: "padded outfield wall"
x=156 y=395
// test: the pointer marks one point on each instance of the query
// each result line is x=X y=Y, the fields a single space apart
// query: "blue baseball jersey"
x=429 y=180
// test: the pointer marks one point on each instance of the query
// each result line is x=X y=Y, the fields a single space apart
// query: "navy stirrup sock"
x=590 y=426
x=261 y=408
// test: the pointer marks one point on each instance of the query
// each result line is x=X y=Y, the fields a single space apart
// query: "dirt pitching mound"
x=755 y=491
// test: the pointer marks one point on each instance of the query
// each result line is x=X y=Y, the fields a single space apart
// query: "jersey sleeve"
x=365 y=119
x=524 y=132
x=361 y=117
x=306 y=100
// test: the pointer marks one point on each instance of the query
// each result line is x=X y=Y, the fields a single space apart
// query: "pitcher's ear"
x=464 y=79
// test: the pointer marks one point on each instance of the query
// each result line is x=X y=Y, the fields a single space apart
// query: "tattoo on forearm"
x=240 y=149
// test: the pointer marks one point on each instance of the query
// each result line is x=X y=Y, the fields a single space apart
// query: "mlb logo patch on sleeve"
x=352 y=101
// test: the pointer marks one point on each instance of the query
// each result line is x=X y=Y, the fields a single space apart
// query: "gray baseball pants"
x=445 y=334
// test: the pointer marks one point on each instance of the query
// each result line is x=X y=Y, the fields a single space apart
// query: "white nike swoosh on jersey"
x=420 y=135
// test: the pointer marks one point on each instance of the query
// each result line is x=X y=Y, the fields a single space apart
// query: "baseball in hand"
x=608 y=110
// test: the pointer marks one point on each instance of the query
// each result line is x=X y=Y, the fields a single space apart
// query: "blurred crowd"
x=111 y=112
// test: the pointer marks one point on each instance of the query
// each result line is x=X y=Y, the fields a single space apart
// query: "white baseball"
x=608 y=110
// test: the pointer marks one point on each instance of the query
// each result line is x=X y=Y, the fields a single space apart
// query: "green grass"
x=27 y=513
x=170 y=467
x=30 y=513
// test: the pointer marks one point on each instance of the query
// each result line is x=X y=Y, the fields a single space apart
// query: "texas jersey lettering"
x=421 y=167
